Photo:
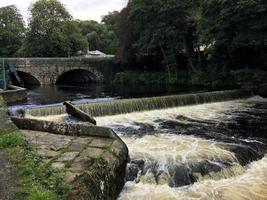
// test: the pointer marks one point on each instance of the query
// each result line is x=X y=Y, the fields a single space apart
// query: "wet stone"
x=76 y=146
x=68 y=156
x=44 y=153
x=70 y=177
x=117 y=148
x=80 y=164
x=91 y=152
x=83 y=140
x=110 y=158
x=58 y=165
x=101 y=142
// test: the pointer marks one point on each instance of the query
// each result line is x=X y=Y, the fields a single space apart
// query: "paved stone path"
x=74 y=155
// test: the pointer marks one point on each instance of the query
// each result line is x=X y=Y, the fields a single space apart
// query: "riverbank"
x=62 y=167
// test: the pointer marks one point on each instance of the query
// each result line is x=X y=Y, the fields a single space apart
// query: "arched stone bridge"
x=51 y=71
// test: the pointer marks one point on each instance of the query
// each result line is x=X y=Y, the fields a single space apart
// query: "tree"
x=235 y=31
x=111 y=21
x=52 y=31
x=157 y=32
x=100 y=36
x=11 y=30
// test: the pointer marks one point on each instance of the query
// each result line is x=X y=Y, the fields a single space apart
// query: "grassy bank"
x=37 y=180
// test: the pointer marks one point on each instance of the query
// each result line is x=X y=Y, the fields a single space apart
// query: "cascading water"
x=209 y=151
x=142 y=104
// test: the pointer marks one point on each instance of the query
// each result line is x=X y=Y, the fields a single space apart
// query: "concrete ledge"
x=14 y=94
x=62 y=128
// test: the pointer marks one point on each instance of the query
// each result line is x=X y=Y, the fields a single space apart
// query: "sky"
x=80 y=9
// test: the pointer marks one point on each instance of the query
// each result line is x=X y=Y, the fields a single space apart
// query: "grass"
x=37 y=180
x=2 y=102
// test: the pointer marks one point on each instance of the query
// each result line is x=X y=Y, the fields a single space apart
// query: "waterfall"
x=143 y=104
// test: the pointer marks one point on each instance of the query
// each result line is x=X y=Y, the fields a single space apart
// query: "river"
x=45 y=95
x=211 y=151
x=208 y=151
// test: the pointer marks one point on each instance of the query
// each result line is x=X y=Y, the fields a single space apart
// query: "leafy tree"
x=100 y=36
x=235 y=31
x=159 y=31
x=11 y=30
x=52 y=31
x=111 y=21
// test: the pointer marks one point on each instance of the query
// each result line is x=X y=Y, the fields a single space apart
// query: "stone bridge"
x=52 y=71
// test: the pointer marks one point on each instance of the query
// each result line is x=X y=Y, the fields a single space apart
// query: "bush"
x=214 y=76
x=156 y=78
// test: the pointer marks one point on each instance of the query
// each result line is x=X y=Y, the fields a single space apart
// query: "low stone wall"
x=62 y=128
x=14 y=94
x=94 y=158
x=94 y=167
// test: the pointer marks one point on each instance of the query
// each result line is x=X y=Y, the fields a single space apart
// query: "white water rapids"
x=232 y=183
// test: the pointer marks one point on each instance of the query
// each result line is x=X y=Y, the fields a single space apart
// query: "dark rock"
x=131 y=172
x=181 y=175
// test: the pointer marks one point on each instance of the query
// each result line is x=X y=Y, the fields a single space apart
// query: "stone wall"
x=93 y=158
x=14 y=94
x=48 y=70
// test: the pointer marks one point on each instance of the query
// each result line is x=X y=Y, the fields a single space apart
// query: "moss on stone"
x=2 y=102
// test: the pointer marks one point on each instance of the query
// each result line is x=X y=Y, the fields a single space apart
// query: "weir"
x=143 y=104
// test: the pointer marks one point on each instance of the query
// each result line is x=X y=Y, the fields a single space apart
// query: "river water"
x=45 y=95
x=212 y=151
x=209 y=151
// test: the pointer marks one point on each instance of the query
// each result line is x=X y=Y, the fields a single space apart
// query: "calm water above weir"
x=43 y=95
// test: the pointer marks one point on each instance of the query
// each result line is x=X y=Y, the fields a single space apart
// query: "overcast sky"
x=80 y=9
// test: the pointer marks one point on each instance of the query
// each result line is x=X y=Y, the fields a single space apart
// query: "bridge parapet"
x=48 y=70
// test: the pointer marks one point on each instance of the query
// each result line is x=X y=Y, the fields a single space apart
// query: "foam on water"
x=232 y=182
x=251 y=185
x=177 y=149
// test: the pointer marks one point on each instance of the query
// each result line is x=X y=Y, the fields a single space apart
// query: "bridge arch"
x=79 y=76
x=26 y=79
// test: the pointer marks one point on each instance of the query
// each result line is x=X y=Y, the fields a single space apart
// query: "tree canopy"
x=52 y=32
x=11 y=30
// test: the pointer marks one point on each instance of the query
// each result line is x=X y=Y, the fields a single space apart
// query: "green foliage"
x=52 y=31
x=11 y=30
x=2 y=102
x=41 y=194
x=158 y=78
x=162 y=30
x=214 y=76
x=13 y=139
x=100 y=36
x=37 y=180
x=236 y=31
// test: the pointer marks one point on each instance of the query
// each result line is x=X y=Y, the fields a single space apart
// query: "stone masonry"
x=76 y=156
x=48 y=70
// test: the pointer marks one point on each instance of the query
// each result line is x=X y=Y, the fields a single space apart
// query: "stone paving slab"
x=74 y=155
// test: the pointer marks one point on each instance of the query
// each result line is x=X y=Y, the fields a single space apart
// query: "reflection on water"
x=55 y=94
x=210 y=151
